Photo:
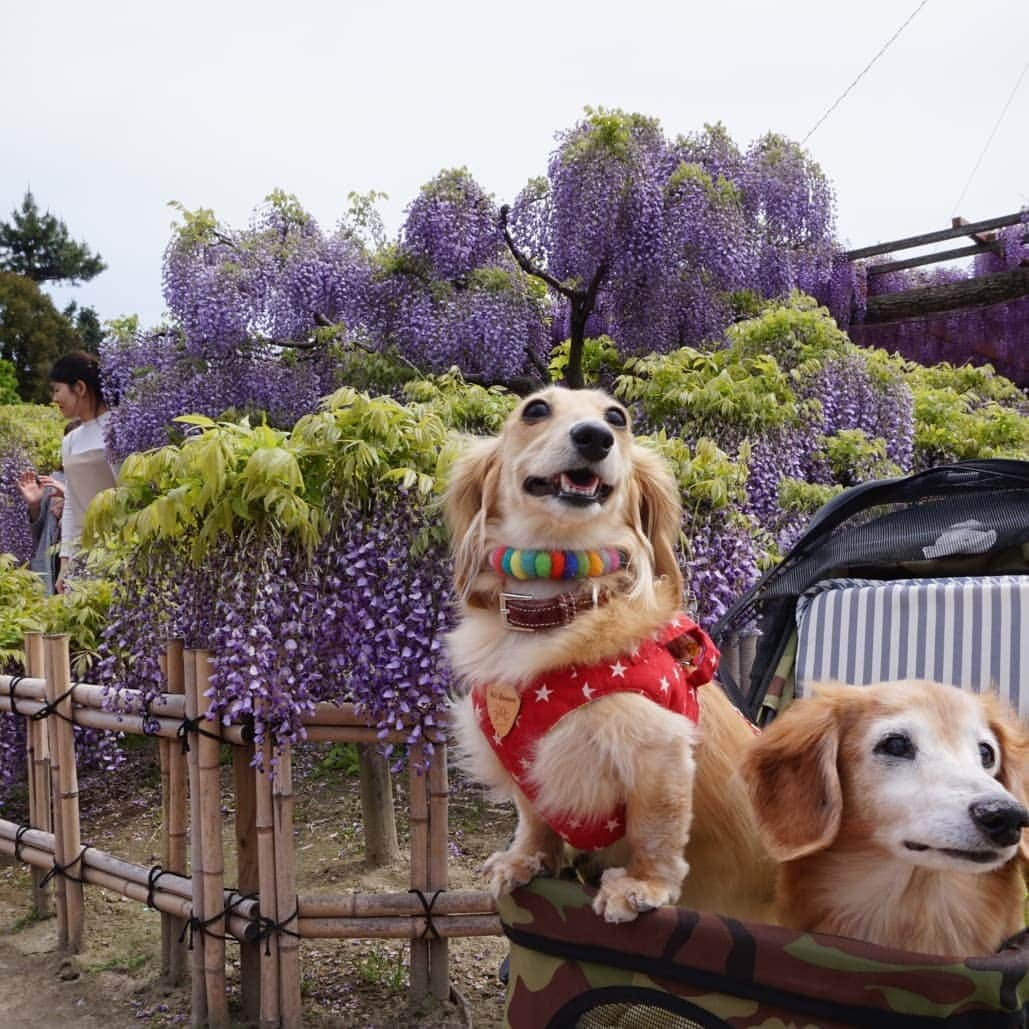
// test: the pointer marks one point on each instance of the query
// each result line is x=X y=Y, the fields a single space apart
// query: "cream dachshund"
x=898 y=812
x=584 y=698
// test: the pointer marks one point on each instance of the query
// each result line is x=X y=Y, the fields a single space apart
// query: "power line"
x=861 y=74
x=993 y=133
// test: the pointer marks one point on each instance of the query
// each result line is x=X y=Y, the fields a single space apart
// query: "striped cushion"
x=970 y=632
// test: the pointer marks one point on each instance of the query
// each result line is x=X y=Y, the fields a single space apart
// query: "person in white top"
x=76 y=390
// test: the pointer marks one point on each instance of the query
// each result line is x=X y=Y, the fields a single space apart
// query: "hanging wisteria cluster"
x=671 y=231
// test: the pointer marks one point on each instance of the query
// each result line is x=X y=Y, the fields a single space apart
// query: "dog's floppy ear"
x=657 y=510
x=1014 y=756
x=471 y=494
x=791 y=776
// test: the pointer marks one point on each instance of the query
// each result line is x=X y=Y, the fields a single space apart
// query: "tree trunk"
x=380 y=823
x=577 y=337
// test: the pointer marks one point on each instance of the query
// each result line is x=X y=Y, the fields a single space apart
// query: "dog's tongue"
x=580 y=483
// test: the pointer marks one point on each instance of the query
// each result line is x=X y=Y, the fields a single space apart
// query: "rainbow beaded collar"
x=556 y=564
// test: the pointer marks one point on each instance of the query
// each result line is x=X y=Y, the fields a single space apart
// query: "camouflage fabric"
x=679 y=968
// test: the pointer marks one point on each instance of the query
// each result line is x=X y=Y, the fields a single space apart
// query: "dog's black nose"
x=1002 y=821
x=592 y=439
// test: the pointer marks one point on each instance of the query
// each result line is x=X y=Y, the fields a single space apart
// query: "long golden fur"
x=619 y=748
x=870 y=796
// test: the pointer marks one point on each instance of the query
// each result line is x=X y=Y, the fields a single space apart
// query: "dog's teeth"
x=568 y=485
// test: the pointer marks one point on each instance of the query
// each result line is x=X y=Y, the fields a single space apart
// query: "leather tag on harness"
x=502 y=705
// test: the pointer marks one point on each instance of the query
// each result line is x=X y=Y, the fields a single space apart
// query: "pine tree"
x=39 y=248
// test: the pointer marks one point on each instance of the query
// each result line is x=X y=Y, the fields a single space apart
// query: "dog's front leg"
x=659 y=810
x=535 y=850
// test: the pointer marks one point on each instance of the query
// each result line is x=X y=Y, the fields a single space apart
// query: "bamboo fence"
x=264 y=913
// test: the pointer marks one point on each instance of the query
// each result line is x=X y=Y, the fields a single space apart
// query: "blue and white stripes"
x=970 y=632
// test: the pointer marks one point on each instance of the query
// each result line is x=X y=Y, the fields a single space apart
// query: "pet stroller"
x=924 y=576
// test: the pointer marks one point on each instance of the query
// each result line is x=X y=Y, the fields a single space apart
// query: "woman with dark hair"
x=76 y=390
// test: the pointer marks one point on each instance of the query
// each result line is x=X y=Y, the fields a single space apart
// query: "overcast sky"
x=112 y=109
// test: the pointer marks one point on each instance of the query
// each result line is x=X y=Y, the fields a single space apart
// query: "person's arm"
x=29 y=487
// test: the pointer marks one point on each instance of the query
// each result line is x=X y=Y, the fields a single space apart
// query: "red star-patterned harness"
x=667 y=669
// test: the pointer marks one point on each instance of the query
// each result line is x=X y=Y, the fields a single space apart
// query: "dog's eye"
x=896 y=744
x=987 y=755
x=535 y=411
x=615 y=416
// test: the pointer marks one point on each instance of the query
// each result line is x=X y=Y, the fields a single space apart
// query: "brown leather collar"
x=526 y=614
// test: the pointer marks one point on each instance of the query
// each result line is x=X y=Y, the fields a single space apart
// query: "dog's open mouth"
x=579 y=486
x=979 y=857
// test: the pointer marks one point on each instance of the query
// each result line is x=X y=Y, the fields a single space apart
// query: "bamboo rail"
x=271 y=924
x=37 y=848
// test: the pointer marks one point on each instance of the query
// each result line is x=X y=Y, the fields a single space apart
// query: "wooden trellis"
x=263 y=912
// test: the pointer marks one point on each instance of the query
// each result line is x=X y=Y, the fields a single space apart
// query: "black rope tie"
x=50 y=707
x=188 y=725
x=268 y=927
x=195 y=924
x=427 y=906
x=22 y=830
x=152 y=879
x=65 y=870
x=16 y=681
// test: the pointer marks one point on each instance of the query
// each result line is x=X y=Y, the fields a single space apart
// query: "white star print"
x=497 y=738
x=587 y=691
x=612 y=824
x=635 y=652
x=576 y=824
x=618 y=670
x=525 y=763
x=665 y=684
x=543 y=693
x=575 y=673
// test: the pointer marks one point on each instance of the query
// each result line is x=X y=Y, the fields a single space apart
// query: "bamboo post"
x=286 y=891
x=265 y=823
x=38 y=767
x=419 y=821
x=175 y=839
x=198 y=1007
x=439 y=794
x=377 y=812
x=67 y=844
x=247 y=874
x=208 y=746
x=164 y=755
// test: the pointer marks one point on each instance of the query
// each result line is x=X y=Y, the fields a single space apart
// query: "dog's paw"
x=506 y=870
x=621 y=897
